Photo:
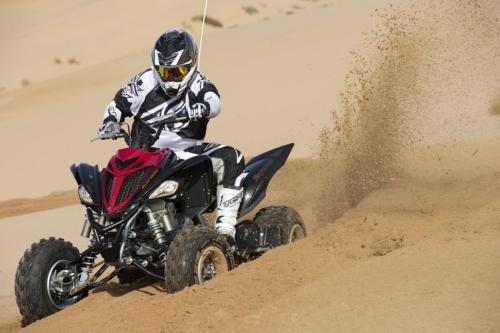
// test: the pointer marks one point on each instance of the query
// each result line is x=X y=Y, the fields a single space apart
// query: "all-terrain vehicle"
x=144 y=217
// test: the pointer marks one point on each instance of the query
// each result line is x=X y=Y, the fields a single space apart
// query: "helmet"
x=174 y=58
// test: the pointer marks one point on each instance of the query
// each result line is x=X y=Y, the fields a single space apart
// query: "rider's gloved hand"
x=197 y=111
x=110 y=130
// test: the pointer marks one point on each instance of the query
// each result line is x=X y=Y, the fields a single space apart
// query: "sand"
x=392 y=106
x=61 y=114
x=387 y=265
x=21 y=206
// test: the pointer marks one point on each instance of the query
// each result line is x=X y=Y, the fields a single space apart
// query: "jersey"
x=143 y=98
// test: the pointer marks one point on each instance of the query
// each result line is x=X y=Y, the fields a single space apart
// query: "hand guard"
x=197 y=111
x=109 y=131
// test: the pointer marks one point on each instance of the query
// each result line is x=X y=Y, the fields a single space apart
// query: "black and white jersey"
x=143 y=98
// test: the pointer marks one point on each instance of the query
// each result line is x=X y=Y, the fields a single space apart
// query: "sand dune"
x=61 y=114
x=374 y=269
x=398 y=179
x=46 y=39
x=22 y=206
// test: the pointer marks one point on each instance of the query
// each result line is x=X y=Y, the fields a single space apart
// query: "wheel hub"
x=60 y=281
x=209 y=271
x=212 y=261
x=63 y=281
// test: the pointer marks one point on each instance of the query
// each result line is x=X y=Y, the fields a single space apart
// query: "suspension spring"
x=157 y=232
x=88 y=261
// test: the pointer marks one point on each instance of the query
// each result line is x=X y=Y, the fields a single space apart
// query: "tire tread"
x=285 y=216
x=182 y=252
x=30 y=298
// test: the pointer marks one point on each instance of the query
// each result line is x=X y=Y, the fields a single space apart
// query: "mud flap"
x=252 y=239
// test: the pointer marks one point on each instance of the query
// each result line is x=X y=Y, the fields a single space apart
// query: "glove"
x=110 y=130
x=197 y=111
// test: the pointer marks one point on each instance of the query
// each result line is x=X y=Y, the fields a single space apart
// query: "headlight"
x=84 y=195
x=166 y=188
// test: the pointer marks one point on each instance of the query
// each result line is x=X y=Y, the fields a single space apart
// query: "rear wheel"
x=44 y=276
x=290 y=223
x=195 y=256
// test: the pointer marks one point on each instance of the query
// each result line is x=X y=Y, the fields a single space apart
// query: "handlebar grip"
x=107 y=136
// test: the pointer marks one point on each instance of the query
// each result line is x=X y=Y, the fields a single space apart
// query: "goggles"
x=175 y=74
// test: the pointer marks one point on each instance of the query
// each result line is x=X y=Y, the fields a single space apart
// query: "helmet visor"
x=175 y=74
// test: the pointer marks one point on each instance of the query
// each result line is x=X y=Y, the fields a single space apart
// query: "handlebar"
x=160 y=122
x=105 y=137
x=165 y=120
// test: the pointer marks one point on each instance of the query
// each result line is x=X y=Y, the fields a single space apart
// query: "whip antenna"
x=202 y=31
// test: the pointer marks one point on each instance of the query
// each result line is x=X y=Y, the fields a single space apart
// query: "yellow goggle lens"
x=173 y=73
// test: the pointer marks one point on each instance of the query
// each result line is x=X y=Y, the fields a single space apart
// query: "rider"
x=173 y=85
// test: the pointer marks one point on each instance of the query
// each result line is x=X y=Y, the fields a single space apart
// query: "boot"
x=228 y=204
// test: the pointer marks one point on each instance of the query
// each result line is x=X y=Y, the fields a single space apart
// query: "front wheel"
x=195 y=256
x=290 y=223
x=45 y=274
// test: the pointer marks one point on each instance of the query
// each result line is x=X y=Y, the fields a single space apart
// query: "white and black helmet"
x=174 y=58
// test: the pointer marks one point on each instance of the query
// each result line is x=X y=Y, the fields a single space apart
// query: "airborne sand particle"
x=419 y=56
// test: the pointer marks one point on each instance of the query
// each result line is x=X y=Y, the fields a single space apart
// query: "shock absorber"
x=158 y=223
x=157 y=232
x=158 y=235
x=87 y=265
x=87 y=228
x=88 y=261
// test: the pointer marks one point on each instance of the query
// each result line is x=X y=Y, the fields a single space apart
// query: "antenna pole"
x=202 y=32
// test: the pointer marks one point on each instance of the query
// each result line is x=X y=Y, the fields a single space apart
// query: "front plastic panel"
x=126 y=174
x=90 y=177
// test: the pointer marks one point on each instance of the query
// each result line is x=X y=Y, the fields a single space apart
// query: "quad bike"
x=144 y=218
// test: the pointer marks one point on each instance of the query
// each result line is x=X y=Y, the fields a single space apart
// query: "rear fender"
x=260 y=170
x=89 y=177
